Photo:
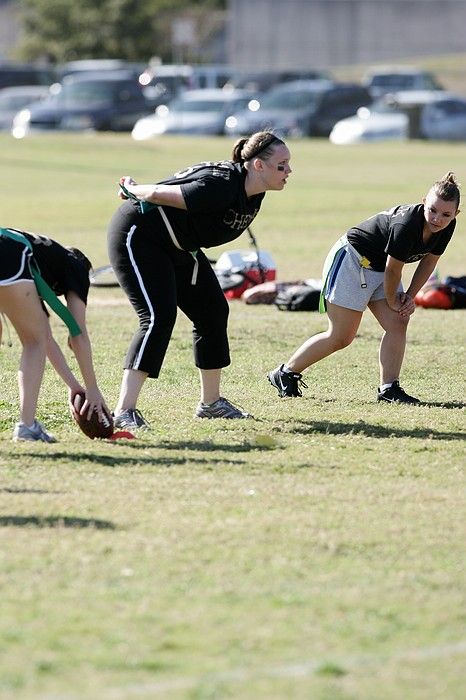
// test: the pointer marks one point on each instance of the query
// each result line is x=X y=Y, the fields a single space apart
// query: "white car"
x=445 y=119
x=193 y=112
x=396 y=116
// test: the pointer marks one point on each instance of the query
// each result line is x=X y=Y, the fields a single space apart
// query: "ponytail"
x=260 y=144
x=448 y=188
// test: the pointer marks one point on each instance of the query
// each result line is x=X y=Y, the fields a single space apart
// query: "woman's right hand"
x=72 y=391
x=126 y=181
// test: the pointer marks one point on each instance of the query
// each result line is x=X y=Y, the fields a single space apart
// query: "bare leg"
x=393 y=343
x=131 y=385
x=20 y=302
x=342 y=327
x=210 y=384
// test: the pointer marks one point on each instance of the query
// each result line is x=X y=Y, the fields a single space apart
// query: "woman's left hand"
x=94 y=402
x=407 y=305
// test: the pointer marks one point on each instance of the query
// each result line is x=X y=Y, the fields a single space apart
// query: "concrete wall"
x=325 y=33
x=9 y=28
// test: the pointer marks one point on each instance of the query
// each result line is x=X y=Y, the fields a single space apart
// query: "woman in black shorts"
x=154 y=243
x=66 y=272
x=363 y=270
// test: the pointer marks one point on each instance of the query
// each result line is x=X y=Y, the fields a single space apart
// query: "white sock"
x=386 y=386
x=286 y=369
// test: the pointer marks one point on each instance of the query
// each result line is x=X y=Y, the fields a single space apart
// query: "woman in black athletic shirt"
x=154 y=243
x=363 y=270
x=66 y=272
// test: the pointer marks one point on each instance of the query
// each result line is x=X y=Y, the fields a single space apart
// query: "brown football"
x=92 y=427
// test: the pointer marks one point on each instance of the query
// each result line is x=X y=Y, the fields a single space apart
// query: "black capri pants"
x=157 y=278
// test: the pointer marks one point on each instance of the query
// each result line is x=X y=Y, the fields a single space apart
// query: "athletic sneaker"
x=221 y=408
x=132 y=419
x=395 y=394
x=35 y=434
x=287 y=383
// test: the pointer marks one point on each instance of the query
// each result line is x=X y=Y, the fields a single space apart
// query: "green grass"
x=316 y=551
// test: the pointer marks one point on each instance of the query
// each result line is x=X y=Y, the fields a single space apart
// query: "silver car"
x=399 y=116
x=12 y=99
x=195 y=112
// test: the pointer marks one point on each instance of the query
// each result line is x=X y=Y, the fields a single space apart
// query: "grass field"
x=316 y=552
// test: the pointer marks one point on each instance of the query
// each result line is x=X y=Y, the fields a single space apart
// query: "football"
x=92 y=427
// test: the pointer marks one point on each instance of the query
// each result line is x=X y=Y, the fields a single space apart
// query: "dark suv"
x=300 y=108
x=338 y=102
x=13 y=74
x=111 y=101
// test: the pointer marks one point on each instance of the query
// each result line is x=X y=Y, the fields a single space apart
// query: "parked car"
x=210 y=75
x=381 y=81
x=162 y=83
x=193 y=112
x=300 y=108
x=98 y=65
x=262 y=81
x=393 y=116
x=12 y=99
x=445 y=119
x=12 y=74
x=104 y=102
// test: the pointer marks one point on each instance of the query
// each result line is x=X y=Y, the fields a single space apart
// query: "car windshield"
x=90 y=93
x=291 y=99
x=197 y=106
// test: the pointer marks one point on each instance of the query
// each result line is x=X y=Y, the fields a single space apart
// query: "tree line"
x=134 y=30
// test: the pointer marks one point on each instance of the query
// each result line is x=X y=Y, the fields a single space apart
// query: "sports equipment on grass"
x=103 y=276
x=92 y=427
x=122 y=435
x=286 y=383
x=239 y=270
x=438 y=297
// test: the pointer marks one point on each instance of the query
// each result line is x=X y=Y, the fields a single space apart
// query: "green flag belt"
x=147 y=206
x=43 y=289
x=143 y=206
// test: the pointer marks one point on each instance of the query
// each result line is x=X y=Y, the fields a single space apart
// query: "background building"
x=9 y=27
x=325 y=33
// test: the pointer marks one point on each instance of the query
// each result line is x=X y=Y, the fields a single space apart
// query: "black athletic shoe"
x=395 y=394
x=130 y=419
x=287 y=383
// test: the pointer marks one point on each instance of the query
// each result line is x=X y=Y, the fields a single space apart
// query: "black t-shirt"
x=62 y=271
x=397 y=232
x=218 y=209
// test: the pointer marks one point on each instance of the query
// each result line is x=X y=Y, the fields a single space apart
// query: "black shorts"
x=14 y=262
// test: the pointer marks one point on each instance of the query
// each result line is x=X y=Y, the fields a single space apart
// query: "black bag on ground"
x=458 y=291
x=298 y=297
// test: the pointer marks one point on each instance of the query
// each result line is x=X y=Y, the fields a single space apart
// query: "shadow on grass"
x=206 y=446
x=119 y=460
x=43 y=521
x=446 y=404
x=374 y=431
x=12 y=489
